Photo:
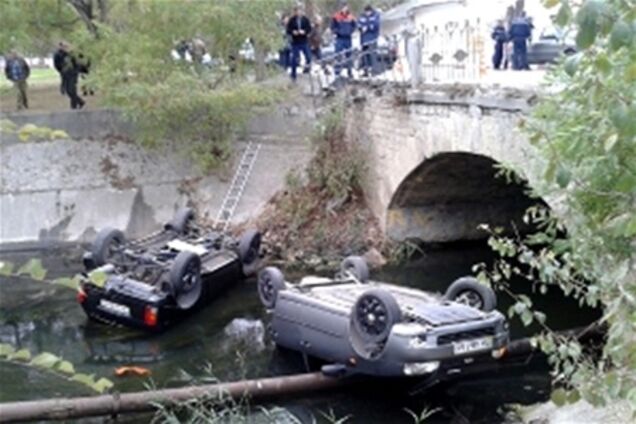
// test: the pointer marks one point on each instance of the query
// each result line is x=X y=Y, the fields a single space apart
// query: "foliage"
x=52 y=364
x=34 y=270
x=585 y=135
x=423 y=416
x=30 y=132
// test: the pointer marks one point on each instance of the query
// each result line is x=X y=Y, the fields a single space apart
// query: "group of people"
x=511 y=44
x=65 y=61
x=302 y=36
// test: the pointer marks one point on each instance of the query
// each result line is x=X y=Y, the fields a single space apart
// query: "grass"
x=38 y=77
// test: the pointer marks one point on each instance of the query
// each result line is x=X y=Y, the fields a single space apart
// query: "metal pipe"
x=112 y=404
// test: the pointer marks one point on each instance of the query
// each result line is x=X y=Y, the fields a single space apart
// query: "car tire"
x=356 y=266
x=106 y=242
x=249 y=250
x=468 y=291
x=372 y=317
x=181 y=221
x=185 y=279
x=270 y=281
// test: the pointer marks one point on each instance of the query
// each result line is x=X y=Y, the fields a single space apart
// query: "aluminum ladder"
x=237 y=186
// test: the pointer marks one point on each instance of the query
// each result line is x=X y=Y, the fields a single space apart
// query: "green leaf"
x=621 y=35
x=563 y=177
x=85 y=379
x=72 y=283
x=22 y=355
x=559 y=397
x=45 y=360
x=6 y=268
x=550 y=3
x=564 y=15
x=65 y=367
x=6 y=350
x=610 y=142
x=34 y=269
x=526 y=317
x=98 y=278
x=102 y=385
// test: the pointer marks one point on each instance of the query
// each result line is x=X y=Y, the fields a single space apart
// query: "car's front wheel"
x=185 y=279
x=182 y=221
x=468 y=291
x=249 y=251
x=107 y=246
x=270 y=282
x=373 y=316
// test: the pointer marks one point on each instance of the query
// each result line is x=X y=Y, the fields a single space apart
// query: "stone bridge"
x=433 y=154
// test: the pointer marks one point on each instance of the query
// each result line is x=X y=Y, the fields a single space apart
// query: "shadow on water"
x=228 y=336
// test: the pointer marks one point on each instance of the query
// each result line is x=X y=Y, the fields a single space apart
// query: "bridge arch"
x=448 y=195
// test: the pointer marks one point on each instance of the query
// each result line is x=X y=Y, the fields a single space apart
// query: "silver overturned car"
x=381 y=329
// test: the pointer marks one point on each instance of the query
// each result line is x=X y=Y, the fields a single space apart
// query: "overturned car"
x=151 y=282
x=381 y=329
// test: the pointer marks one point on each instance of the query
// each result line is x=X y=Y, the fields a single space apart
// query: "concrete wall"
x=66 y=190
x=402 y=129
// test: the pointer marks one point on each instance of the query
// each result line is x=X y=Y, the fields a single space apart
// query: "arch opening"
x=449 y=195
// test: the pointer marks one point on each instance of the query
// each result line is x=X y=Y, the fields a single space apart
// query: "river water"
x=226 y=340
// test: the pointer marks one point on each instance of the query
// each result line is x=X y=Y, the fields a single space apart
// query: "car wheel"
x=468 y=291
x=181 y=221
x=185 y=279
x=249 y=249
x=107 y=246
x=270 y=281
x=356 y=266
x=372 y=318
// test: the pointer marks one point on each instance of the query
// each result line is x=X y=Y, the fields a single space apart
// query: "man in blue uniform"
x=369 y=24
x=501 y=37
x=343 y=25
x=519 y=34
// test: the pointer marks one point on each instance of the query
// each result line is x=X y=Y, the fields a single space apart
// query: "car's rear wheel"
x=372 y=318
x=185 y=279
x=182 y=221
x=468 y=291
x=270 y=282
x=249 y=250
x=355 y=266
x=107 y=246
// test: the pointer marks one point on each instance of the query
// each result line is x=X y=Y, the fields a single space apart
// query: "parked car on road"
x=381 y=329
x=549 y=47
x=153 y=281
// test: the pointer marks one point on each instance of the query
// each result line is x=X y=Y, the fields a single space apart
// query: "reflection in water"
x=228 y=336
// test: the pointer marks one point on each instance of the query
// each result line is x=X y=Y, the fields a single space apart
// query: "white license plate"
x=474 y=345
x=114 y=308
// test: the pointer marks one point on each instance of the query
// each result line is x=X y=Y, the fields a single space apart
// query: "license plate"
x=114 y=308
x=474 y=345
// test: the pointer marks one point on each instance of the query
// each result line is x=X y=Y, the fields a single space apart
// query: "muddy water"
x=227 y=338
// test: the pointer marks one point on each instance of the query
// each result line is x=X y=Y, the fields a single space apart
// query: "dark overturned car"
x=360 y=326
x=154 y=281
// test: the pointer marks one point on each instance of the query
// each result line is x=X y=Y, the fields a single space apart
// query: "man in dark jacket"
x=70 y=74
x=519 y=33
x=343 y=25
x=299 y=28
x=17 y=71
x=500 y=36
x=58 y=62
x=369 y=24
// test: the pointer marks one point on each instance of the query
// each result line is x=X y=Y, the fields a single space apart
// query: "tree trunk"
x=259 y=58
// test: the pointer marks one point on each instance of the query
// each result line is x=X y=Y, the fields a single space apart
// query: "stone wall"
x=402 y=129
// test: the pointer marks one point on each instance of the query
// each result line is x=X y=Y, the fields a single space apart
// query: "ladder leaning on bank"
x=237 y=187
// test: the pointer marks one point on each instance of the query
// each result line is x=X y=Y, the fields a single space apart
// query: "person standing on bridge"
x=500 y=36
x=343 y=25
x=299 y=29
x=17 y=70
x=520 y=31
x=369 y=24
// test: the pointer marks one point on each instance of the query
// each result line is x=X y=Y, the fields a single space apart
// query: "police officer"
x=519 y=34
x=500 y=36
